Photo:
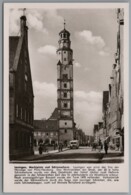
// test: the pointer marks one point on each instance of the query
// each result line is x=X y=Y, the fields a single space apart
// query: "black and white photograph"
x=67 y=73
x=66 y=85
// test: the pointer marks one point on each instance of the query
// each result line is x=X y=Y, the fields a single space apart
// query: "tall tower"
x=65 y=87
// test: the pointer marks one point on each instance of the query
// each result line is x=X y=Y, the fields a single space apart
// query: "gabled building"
x=46 y=131
x=21 y=97
x=115 y=114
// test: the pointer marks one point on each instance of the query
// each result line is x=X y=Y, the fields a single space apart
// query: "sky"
x=93 y=40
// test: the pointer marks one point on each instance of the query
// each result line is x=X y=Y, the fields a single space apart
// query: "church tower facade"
x=65 y=88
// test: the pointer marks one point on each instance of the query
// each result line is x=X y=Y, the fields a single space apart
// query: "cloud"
x=14 y=21
x=45 y=99
x=48 y=50
x=91 y=39
x=46 y=90
x=77 y=64
x=96 y=41
x=87 y=69
x=34 y=21
x=88 y=109
x=91 y=96
x=105 y=52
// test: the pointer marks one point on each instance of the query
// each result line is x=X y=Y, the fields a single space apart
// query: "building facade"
x=21 y=97
x=65 y=88
x=46 y=131
x=116 y=91
x=104 y=111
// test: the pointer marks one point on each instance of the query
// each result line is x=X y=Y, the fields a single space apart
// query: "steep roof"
x=13 y=43
x=54 y=114
x=50 y=124
x=64 y=31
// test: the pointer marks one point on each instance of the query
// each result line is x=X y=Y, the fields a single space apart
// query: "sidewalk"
x=38 y=156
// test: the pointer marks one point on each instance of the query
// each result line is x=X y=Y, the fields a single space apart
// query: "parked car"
x=74 y=144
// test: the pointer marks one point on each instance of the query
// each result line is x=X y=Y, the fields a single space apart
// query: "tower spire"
x=24 y=10
x=64 y=23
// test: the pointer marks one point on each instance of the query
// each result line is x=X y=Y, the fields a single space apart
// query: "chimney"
x=24 y=28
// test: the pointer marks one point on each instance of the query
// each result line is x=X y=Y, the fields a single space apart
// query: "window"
x=65 y=76
x=64 y=35
x=39 y=133
x=65 y=123
x=65 y=85
x=17 y=111
x=64 y=51
x=65 y=95
x=28 y=117
x=47 y=134
x=64 y=59
x=65 y=105
x=21 y=113
x=25 y=115
x=65 y=130
x=25 y=86
x=26 y=77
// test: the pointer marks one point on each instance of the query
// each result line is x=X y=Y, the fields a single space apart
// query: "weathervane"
x=24 y=10
x=64 y=23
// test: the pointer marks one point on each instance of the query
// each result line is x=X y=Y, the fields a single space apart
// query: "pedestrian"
x=40 y=149
x=106 y=147
x=100 y=145
x=60 y=147
x=54 y=146
x=117 y=145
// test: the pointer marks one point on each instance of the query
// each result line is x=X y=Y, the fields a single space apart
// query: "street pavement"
x=81 y=155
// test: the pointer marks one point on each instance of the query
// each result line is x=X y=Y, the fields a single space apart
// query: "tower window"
x=65 y=85
x=65 y=105
x=64 y=35
x=65 y=130
x=64 y=59
x=65 y=123
x=65 y=76
x=65 y=95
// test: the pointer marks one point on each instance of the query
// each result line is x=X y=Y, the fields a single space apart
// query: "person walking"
x=100 y=145
x=106 y=147
x=40 y=149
